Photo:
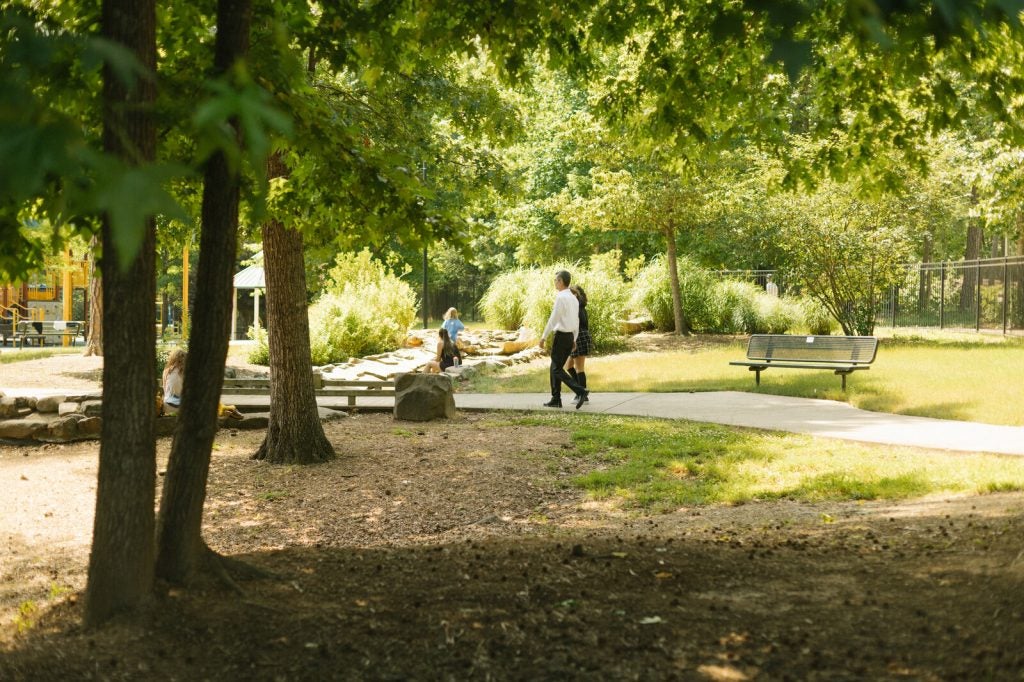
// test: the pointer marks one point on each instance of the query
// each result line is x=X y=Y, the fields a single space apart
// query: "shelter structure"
x=252 y=278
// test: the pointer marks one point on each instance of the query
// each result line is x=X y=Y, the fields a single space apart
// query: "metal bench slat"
x=855 y=349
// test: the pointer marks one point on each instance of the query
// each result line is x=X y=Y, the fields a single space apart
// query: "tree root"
x=226 y=569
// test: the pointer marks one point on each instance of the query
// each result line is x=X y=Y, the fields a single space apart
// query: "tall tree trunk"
x=121 y=562
x=969 y=291
x=94 y=342
x=673 y=278
x=924 y=283
x=295 y=434
x=180 y=547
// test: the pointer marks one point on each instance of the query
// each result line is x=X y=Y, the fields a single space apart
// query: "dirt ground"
x=460 y=550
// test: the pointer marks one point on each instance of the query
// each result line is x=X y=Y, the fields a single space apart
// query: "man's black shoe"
x=581 y=398
x=553 y=403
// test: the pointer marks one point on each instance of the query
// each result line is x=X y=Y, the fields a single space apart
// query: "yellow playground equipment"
x=30 y=300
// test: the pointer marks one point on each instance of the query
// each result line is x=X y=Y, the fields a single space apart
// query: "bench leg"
x=757 y=377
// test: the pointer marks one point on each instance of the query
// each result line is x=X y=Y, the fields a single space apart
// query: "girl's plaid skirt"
x=583 y=344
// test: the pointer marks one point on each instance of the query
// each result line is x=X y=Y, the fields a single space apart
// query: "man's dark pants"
x=561 y=349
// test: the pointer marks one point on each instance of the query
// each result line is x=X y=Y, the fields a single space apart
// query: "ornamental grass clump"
x=524 y=298
x=504 y=303
x=652 y=295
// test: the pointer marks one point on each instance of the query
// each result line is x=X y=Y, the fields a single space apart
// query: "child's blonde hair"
x=452 y=314
x=175 y=361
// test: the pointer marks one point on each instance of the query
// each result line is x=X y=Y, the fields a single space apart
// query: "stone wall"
x=51 y=418
x=58 y=418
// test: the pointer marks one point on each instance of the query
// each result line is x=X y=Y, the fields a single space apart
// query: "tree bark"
x=180 y=547
x=673 y=278
x=294 y=434
x=94 y=342
x=924 y=283
x=121 y=561
x=969 y=291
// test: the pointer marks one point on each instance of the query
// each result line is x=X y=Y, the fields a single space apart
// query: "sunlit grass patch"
x=662 y=464
x=37 y=354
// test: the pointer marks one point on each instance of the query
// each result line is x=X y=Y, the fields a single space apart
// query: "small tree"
x=843 y=251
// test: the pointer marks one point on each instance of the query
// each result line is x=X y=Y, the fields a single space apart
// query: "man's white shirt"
x=565 y=316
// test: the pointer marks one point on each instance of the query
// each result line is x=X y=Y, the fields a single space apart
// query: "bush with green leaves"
x=259 y=353
x=366 y=309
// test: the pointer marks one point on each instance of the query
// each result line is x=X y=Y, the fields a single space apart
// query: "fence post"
x=942 y=293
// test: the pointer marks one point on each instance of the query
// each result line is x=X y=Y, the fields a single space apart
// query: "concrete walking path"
x=826 y=418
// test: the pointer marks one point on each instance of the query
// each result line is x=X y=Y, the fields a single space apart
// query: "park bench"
x=40 y=332
x=841 y=354
x=335 y=388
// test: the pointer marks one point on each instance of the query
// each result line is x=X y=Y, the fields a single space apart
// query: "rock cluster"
x=51 y=418
x=481 y=350
x=70 y=417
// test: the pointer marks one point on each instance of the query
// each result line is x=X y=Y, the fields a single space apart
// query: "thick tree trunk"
x=94 y=342
x=969 y=291
x=180 y=547
x=295 y=434
x=673 y=278
x=121 y=562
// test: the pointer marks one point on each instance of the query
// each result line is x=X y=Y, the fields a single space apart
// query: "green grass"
x=37 y=354
x=660 y=465
x=977 y=381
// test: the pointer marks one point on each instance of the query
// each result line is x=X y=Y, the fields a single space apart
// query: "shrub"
x=777 y=315
x=366 y=309
x=359 y=321
x=260 y=353
x=817 y=318
x=738 y=307
x=652 y=294
x=607 y=297
x=526 y=297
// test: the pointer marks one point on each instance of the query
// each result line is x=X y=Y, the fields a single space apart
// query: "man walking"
x=564 y=323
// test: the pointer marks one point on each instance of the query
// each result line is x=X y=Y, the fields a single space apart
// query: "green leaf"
x=131 y=195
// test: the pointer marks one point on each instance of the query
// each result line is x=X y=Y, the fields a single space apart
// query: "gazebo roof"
x=251 y=278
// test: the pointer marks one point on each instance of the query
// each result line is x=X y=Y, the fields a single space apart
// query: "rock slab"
x=424 y=397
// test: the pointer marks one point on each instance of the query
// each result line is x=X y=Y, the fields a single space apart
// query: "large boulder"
x=423 y=397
